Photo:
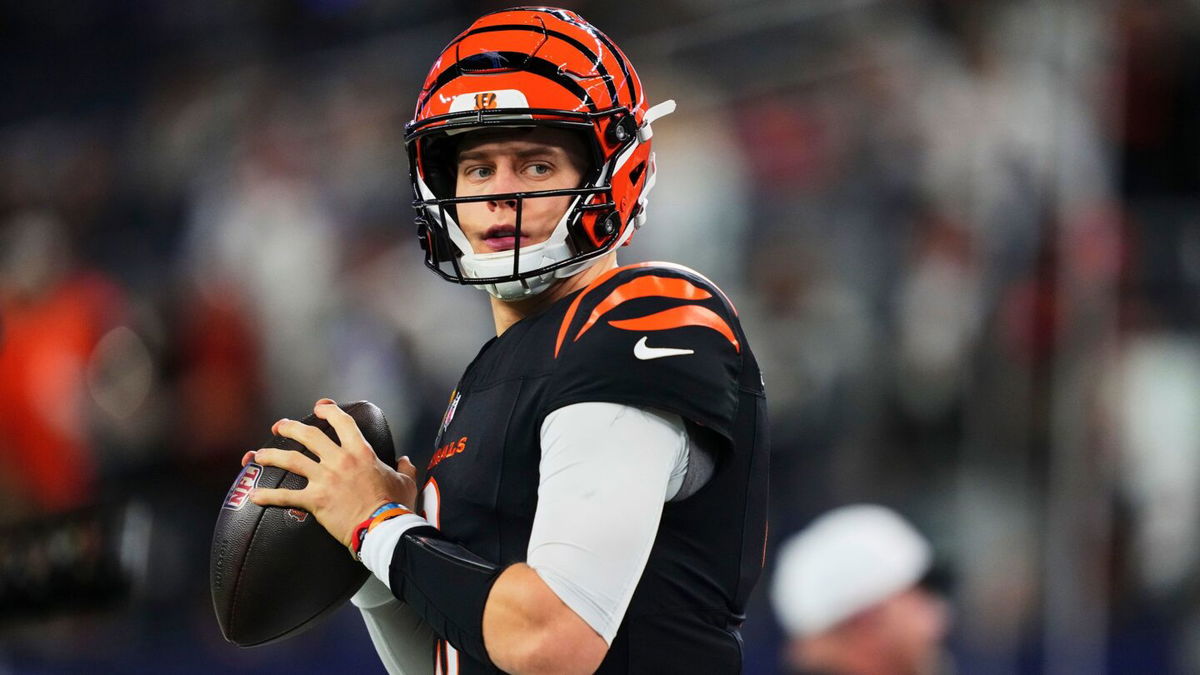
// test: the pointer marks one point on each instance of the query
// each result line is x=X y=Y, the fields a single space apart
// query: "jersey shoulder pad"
x=655 y=335
x=649 y=298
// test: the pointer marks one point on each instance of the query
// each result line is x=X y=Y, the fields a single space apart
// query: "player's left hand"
x=346 y=485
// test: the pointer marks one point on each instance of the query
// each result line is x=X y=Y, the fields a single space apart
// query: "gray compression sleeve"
x=403 y=641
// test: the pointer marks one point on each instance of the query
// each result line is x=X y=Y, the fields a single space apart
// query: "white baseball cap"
x=844 y=562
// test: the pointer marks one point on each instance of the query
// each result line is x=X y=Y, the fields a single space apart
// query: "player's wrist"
x=382 y=513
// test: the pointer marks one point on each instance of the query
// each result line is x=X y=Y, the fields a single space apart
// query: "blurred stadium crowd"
x=962 y=236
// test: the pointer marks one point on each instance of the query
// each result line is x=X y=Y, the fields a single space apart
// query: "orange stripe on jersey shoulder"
x=644 y=287
x=570 y=316
x=678 y=317
x=687 y=270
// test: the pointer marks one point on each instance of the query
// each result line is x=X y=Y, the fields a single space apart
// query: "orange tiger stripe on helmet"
x=567 y=63
x=573 y=42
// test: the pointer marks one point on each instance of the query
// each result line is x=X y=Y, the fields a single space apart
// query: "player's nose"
x=504 y=182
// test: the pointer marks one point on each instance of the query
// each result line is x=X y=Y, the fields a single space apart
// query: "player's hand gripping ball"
x=275 y=570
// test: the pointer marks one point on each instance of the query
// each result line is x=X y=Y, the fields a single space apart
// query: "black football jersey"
x=653 y=335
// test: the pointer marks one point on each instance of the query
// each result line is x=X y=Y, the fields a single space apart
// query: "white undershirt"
x=606 y=471
x=608 y=466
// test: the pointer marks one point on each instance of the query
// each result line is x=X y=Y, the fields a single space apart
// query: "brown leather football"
x=275 y=572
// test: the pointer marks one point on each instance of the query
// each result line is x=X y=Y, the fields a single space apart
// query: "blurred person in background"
x=54 y=312
x=850 y=592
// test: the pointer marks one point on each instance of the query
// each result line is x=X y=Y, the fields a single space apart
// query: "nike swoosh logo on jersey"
x=644 y=352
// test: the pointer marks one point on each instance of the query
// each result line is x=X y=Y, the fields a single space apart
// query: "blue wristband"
x=385 y=507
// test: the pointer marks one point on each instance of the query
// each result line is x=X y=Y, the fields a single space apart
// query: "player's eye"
x=539 y=169
x=478 y=172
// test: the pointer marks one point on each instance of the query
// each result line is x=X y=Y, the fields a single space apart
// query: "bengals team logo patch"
x=485 y=101
x=455 y=397
x=246 y=481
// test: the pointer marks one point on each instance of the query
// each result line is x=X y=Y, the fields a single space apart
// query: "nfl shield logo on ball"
x=240 y=492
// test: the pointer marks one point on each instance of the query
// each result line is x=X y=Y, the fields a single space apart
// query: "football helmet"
x=524 y=67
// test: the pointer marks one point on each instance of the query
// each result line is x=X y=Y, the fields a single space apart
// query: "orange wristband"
x=386 y=511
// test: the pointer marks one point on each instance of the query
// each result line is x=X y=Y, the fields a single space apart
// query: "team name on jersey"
x=446 y=451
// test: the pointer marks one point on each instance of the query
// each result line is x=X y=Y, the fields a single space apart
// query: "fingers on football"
x=288 y=460
x=248 y=457
x=348 y=433
x=308 y=436
x=280 y=497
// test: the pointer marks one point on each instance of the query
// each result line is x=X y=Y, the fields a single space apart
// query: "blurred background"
x=962 y=236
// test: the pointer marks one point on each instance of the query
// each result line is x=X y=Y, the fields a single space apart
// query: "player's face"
x=916 y=621
x=515 y=160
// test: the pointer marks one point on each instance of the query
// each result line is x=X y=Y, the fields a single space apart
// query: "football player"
x=597 y=498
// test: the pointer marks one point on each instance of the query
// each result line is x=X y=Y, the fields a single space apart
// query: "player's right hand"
x=346 y=480
x=403 y=465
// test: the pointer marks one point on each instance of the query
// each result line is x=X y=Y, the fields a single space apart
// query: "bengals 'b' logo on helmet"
x=485 y=101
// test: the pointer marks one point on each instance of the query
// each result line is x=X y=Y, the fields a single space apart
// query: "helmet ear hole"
x=636 y=173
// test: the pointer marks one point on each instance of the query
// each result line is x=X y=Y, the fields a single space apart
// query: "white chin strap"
x=555 y=248
x=544 y=254
x=484 y=265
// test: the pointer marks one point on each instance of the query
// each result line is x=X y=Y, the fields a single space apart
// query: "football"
x=275 y=572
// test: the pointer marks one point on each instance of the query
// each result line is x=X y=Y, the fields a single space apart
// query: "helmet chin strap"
x=531 y=257
x=480 y=265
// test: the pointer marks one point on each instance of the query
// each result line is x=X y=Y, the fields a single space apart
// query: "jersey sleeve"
x=652 y=336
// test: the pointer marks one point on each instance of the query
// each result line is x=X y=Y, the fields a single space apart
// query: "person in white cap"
x=848 y=591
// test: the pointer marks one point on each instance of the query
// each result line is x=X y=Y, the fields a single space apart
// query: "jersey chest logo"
x=448 y=417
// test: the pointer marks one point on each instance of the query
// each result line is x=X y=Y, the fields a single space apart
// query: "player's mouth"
x=503 y=238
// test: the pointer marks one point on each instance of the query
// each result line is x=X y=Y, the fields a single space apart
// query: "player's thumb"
x=404 y=466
